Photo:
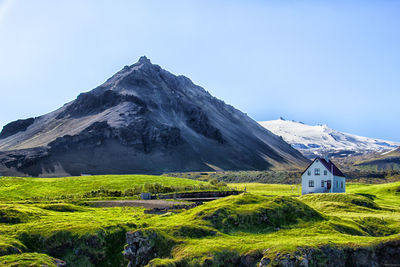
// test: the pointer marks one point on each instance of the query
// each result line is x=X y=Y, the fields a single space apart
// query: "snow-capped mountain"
x=323 y=141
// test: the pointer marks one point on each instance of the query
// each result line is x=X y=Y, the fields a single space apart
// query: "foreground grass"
x=265 y=218
x=309 y=221
x=28 y=260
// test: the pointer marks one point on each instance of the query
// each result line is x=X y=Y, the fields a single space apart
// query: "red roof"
x=329 y=165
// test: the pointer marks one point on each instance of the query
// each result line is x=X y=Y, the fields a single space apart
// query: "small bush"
x=192 y=231
x=63 y=207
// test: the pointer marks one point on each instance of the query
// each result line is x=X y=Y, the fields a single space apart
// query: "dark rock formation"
x=88 y=103
x=383 y=254
x=142 y=120
x=139 y=135
x=141 y=250
x=15 y=127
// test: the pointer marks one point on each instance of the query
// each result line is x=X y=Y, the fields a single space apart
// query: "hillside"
x=142 y=120
x=320 y=140
x=384 y=161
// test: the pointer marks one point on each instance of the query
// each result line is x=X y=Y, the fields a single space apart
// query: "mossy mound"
x=63 y=207
x=192 y=231
x=375 y=226
x=9 y=245
x=30 y=259
x=341 y=201
x=247 y=212
x=17 y=214
x=100 y=248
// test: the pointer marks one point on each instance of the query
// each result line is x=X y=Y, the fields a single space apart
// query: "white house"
x=322 y=176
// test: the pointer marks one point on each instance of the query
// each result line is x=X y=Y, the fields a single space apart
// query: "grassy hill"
x=251 y=224
x=265 y=224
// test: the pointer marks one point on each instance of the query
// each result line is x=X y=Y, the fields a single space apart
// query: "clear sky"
x=319 y=62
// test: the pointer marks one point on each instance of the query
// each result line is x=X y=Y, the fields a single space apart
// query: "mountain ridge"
x=320 y=140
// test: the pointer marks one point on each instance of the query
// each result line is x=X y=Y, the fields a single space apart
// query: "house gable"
x=329 y=166
x=315 y=165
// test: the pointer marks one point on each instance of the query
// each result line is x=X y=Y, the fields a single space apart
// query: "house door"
x=328 y=184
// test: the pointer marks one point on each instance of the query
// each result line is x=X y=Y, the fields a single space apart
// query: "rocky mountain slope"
x=142 y=120
x=320 y=140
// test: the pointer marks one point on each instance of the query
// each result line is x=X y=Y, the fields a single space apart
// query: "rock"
x=145 y=245
x=251 y=258
x=264 y=262
x=16 y=127
x=384 y=254
x=59 y=263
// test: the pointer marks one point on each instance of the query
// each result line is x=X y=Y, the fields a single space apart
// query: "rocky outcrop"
x=89 y=103
x=197 y=120
x=145 y=245
x=24 y=161
x=140 y=135
x=148 y=245
x=15 y=127
x=383 y=254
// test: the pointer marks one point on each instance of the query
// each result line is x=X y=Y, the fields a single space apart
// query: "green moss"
x=375 y=226
x=339 y=201
x=27 y=260
x=192 y=231
x=162 y=263
x=16 y=214
x=101 y=248
x=63 y=207
x=9 y=245
x=246 y=211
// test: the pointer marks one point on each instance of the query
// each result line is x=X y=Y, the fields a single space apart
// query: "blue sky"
x=327 y=62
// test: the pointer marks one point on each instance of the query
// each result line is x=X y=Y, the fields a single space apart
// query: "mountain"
x=320 y=140
x=142 y=120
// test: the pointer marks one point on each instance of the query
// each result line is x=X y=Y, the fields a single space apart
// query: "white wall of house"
x=315 y=180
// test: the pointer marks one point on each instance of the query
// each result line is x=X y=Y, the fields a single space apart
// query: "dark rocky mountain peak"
x=144 y=60
x=143 y=119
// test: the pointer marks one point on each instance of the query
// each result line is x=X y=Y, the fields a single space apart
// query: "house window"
x=322 y=183
x=309 y=173
x=310 y=183
x=341 y=184
x=325 y=172
x=316 y=171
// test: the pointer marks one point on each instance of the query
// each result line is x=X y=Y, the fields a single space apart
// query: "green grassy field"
x=13 y=188
x=270 y=218
x=268 y=189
